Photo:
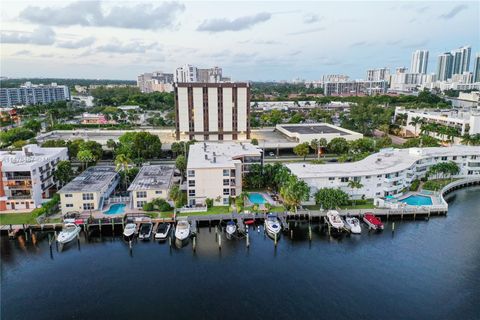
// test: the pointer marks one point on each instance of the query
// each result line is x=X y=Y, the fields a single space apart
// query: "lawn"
x=361 y=204
x=211 y=210
x=272 y=209
x=17 y=218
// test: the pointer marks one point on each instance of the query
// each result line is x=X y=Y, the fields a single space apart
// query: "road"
x=395 y=139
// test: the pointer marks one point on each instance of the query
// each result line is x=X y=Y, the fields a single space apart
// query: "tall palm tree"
x=354 y=184
x=121 y=164
x=415 y=122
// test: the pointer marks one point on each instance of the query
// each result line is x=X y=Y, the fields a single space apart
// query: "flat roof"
x=314 y=129
x=383 y=162
x=30 y=154
x=219 y=154
x=153 y=177
x=93 y=179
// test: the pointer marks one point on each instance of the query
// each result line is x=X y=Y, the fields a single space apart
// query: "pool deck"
x=265 y=195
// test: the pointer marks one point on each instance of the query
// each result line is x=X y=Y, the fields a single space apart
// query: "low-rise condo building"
x=27 y=177
x=89 y=190
x=151 y=182
x=466 y=121
x=215 y=170
x=388 y=172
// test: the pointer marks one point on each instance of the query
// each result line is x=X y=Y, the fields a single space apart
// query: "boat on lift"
x=372 y=221
x=334 y=220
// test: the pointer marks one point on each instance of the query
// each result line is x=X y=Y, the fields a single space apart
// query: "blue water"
x=116 y=209
x=417 y=201
x=424 y=270
x=256 y=198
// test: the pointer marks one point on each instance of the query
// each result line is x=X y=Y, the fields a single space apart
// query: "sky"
x=250 y=40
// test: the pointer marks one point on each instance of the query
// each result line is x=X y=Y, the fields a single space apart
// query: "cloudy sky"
x=269 y=40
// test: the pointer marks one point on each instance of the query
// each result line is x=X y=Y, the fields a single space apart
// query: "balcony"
x=22 y=197
x=18 y=187
x=19 y=178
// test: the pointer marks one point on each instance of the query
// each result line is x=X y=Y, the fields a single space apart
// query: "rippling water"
x=426 y=270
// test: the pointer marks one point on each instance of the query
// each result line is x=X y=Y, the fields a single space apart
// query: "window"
x=344 y=179
x=226 y=192
x=454 y=157
x=379 y=176
x=191 y=173
x=87 y=196
x=34 y=171
x=444 y=158
x=379 y=184
x=474 y=157
x=88 y=206
x=233 y=192
x=331 y=178
x=226 y=172
x=68 y=195
x=140 y=203
x=226 y=201
x=141 y=194
x=160 y=191
x=367 y=177
x=191 y=183
x=226 y=182
x=69 y=205
x=191 y=193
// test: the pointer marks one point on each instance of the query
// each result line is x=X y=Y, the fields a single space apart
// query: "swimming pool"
x=417 y=200
x=116 y=209
x=256 y=198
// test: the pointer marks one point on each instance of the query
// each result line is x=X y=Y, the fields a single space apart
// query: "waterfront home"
x=215 y=170
x=27 y=176
x=89 y=190
x=151 y=182
x=388 y=172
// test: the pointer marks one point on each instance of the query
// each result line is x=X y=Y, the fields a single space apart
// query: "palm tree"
x=414 y=122
x=122 y=163
x=354 y=184
x=467 y=139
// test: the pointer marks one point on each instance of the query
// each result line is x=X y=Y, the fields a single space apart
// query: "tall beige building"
x=212 y=111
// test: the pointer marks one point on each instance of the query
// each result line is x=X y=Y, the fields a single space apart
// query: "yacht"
x=182 y=232
x=163 y=229
x=333 y=218
x=145 y=231
x=353 y=224
x=129 y=231
x=272 y=226
x=69 y=232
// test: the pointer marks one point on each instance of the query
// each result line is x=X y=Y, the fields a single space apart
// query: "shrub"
x=161 y=205
x=209 y=202
x=148 y=206
x=415 y=185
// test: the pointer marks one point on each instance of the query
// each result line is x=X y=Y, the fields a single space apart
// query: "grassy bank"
x=17 y=218
x=437 y=184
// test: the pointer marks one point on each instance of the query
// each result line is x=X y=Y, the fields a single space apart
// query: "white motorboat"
x=272 y=226
x=353 y=224
x=162 y=231
x=129 y=231
x=145 y=231
x=182 y=232
x=334 y=219
x=231 y=227
x=69 y=232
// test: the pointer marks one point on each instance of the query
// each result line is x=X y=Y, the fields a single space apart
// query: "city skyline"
x=53 y=40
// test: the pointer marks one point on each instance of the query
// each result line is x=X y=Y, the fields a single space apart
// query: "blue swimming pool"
x=116 y=209
x=256 y=198
x=417 y=200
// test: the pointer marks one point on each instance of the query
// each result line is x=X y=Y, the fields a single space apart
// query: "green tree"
x=254 y=142
x=354 y=184
x=415 y=122
x=86 y=157
x=302 y=150
x=122 y=164
x=33 y=125
x=140 y=145
x=64 y=172
x=10 y=136
x=338 y=146
x=19 y=144
x=293 y=192
x=181 y=164
x=329 y=198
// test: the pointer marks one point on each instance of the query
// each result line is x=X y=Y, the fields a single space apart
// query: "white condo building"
x=212 y=111
x=388 y=172
x=378 y=74
x=27 y=177
x=33 y=94
x=152 y=182
x=419 y=61
x=466 y=121
x=215 y=170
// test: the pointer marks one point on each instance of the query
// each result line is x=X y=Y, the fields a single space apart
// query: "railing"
x=19 y=178
x=458 y=183
x=117 y=200
x=19 y=197
x=19 y=187
x=193 y=209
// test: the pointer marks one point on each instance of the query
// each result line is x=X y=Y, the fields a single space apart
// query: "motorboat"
x=372 y=221
x=69 y=232
x=353 y=224
x=129 y=231
x=272 y=226
x=182 y=231
x=163 y=229
x=145 y=231
x=231 y=227
x=334 y=219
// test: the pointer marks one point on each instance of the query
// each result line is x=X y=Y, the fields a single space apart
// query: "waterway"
x=425 y=270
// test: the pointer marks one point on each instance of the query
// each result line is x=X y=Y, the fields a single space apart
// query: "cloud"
x=452 y=13
x=310 y=18
x=312 y=30
x=23 y=53
x=91 y=13
x=242 y=23
x=415 y=45
x=82 y=43
x=119 y=48
x=40 y=36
